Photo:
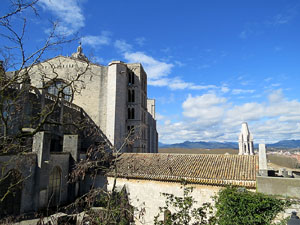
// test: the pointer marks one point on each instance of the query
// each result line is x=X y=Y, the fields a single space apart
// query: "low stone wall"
x=286 y=187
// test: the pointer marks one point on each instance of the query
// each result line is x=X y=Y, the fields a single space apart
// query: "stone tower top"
x=79 y=54
x=245 y=129
x=245 y=141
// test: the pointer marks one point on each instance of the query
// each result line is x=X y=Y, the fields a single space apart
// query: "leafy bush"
x=183 y=211
x=240 y=206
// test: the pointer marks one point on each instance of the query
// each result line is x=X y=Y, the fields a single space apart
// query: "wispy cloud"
x=225 y=89
x=268 y=79
x=159 y=116
x=122 y=46
x=178 y=63
x=158 y=73
x=69 y=13
x=155 y=69
x=97 y=59
x=284 y=17
x=97 y=41
x=242 y=91
x=204 y=66
x=245 y=33
x=140 y=41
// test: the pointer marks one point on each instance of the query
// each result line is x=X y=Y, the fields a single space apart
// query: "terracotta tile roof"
x=209 y=169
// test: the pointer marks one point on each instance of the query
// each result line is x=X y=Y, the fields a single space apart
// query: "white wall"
x=146 y=194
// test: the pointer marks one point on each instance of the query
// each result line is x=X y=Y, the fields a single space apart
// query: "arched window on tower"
x=58 y=86
x=130 y=130
x=54 y=187
x=130 y=78
x=131 y=96
x=131 y=113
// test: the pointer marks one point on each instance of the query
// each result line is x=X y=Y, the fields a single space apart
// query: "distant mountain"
x=161 y=145
x=200 y=144
x=284 y=144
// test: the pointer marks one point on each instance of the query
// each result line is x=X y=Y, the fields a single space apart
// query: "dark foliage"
x=240 y=206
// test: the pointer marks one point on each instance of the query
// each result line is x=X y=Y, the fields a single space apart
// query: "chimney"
x=262 y=157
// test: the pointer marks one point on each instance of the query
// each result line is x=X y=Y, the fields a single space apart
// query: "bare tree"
x=26 y=110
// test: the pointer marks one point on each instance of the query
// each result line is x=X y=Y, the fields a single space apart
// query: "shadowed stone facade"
x=41 y=167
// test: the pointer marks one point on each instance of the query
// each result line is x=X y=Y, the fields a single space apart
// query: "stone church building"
x=108 y=102
x=114 y=96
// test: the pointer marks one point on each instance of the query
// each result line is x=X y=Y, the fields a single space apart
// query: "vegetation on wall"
x=233 y=205
x=239 y=206
x=181 y=210
x=112 y=209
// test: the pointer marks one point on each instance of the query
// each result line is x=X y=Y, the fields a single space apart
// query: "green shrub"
x=240 y=206
x=183 y=210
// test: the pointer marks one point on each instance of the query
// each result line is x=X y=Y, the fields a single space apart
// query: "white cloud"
x=159 y=82
x=242 y=91
x=97 y=59
x=155 y=68
x=249 y=111
x=178 y=84
x=122 y=45
x=225 y=89
x=282 y=18
x=268 y=79
x=211 y=117
x=159 y=116
x=69 y=13
x=275 y=96
x=207 y=108
x=97 y=41
x=140 y=41
x=178 y=63
x=158 y=72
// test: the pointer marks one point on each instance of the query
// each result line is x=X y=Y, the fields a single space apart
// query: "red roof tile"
x=209 y=169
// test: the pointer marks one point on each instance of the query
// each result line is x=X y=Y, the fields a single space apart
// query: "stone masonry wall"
x=87 y=86
x=146 y=194
x=26 y=165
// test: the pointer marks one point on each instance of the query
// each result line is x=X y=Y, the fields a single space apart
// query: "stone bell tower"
x=245 y=141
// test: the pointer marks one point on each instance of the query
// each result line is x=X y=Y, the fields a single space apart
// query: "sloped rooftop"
x=210 y=169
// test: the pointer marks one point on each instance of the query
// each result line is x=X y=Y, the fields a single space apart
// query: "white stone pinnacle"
x=245 y=141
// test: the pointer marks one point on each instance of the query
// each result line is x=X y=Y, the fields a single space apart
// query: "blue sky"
x=211 y=64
